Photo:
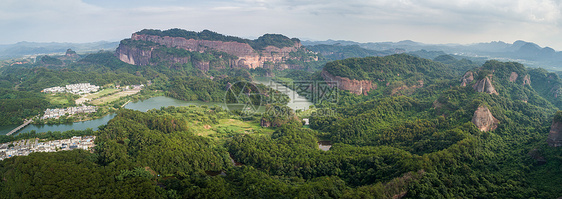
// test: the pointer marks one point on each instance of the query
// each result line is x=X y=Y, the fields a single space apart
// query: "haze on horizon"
x=427 y=21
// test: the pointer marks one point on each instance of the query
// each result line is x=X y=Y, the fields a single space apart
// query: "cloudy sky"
x=427 y=21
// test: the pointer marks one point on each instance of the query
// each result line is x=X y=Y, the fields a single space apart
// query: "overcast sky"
x=427 y=21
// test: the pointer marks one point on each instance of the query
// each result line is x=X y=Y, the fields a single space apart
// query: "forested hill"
x=480 y=132
x=513 y=81
x=394 y=74
x=400 y=66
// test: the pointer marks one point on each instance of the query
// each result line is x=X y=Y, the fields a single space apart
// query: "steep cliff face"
x=357 y=87
x=527 y=80
x=484 y=120
x=246 y=56
x=555 y=135
x=513 y=77
x=134 y=55
x=467 y=78
x=485 y=85
x=144 y=56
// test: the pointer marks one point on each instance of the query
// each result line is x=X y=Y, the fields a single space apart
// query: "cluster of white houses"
x=25 y=147
x=80 y=88
x=57 y=112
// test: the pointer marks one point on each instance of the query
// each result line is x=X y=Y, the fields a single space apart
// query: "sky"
x=426 y=21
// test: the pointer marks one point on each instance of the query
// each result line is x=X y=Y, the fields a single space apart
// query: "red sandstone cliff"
x=484 y=120
x=467 y=78
x=527 y=80
x=513 y=77
x=354 y=86
x=485 y=85
x=247 y=57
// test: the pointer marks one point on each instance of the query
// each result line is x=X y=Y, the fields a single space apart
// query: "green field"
x=113 y=97
x=226 y=126
x=102 y=93
x=58 y=99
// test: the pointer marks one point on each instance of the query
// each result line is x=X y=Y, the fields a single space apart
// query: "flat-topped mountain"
x=148 y=47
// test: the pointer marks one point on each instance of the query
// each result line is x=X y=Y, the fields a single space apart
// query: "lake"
x=297 y=102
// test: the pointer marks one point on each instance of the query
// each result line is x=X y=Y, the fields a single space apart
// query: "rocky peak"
x=484 y=120
x=555 y=135
x=357 y=87
x=485 y=85
x=70 y=53
x=467 y=78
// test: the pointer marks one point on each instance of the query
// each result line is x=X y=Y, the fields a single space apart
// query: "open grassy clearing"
x=101 y=93
x=57 y=99
x=91 y=96
x=112 y=98
x=229 y=126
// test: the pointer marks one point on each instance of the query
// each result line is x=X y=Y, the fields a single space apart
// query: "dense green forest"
x=394 y=66
x=16 y=105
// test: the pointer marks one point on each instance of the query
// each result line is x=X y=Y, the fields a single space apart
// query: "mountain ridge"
x=25 y=48
x=529 y=53
x=269 y=50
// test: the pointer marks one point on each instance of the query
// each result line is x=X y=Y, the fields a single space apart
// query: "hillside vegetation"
x=417 y=134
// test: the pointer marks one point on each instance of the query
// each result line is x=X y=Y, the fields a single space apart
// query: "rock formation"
x=70 y=53
x=246 y=56
x=527 y=80
x=467 y=78
x=357 y=87
x=555 y=135
x=513 y=77
x=484 y=120
x=485 y=85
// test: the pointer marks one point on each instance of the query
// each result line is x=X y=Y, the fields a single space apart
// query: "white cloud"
x=436 y=21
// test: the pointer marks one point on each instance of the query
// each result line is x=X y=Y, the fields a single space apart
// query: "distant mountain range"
x=527 y=53
x=33 y=48
x=524 y=52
